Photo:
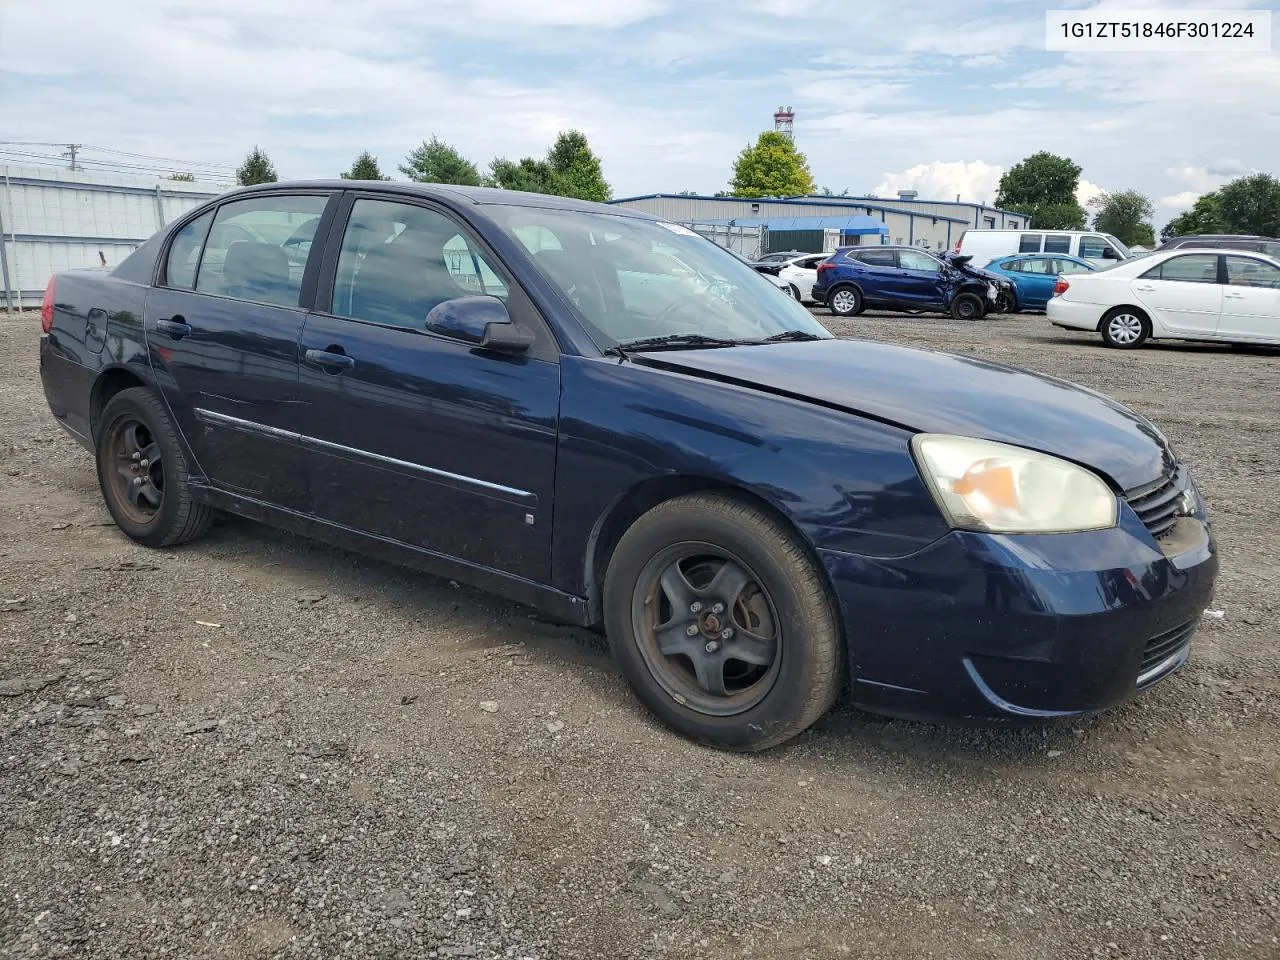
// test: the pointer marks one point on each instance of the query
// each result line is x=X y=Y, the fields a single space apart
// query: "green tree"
x=365 y=168
x=771 y=167
x=570 y=169
x=528 y=174
x=183 y=177
x=575 y=170
x=1125 y=215
x=1251 y=205
x=256 y=168
x=1043 y=187
x=1204 y=217
x=437 y=162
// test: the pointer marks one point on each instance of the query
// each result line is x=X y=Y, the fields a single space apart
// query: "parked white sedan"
x=1183 y=294
x=800 y=274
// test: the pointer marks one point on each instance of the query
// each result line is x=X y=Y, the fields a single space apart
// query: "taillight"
x=957 y=246
x=1060 y=287
x=46 y=306
x=826 y=265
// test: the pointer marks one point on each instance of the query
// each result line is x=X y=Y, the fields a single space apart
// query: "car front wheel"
x=143 y=472
x=722 y=623
x=966 y=307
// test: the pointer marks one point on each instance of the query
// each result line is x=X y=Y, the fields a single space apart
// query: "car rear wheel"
x=845 y=301
x=722 y=623
x=966 y=307
x=143 y=472
x=794 y=291
x=1125 y=328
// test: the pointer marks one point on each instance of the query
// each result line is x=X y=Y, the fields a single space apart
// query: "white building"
x=54 y=219
x=800 y=222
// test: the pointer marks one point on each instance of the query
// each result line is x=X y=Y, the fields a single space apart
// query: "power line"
x=167 y=164
x=110 y=166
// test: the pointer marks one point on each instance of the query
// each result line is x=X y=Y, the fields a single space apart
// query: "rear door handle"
x=1234 y=296
x=1144 y=287
x=331 y=360
x=175 y=327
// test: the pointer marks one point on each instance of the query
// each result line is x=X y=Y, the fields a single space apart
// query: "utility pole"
x=70 y=153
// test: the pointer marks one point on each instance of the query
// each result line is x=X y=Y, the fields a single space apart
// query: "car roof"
x=478 y=196
x=1053 y=256
x=1220 y=236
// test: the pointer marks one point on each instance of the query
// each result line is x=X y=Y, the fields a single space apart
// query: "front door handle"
x=1144 y=287
x=331 y=359
x=175 y=327
x=1234 y=296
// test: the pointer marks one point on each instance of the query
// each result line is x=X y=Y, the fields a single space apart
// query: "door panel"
x=228 y=367
x=919 y=282
x=417 y=437
x=1036 y=281
x=433 y=443
x=1183 y=293
x=875 y=272
x=1251 y=301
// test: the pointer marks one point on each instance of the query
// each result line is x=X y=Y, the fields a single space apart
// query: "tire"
x=794 y=291
x=845 y=301
x=158 y=511
x=1125 y=328
x=773 y=592
x=966 y=306
x=1011 y=305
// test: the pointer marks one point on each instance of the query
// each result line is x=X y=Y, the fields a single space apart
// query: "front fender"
x=846 y=483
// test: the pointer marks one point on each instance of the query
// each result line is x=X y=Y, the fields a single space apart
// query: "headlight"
x=998 y=488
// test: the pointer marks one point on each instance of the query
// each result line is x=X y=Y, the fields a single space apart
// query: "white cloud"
x=974 y=180
x=1180 y=201
x=667 y=92
x=1087 y=192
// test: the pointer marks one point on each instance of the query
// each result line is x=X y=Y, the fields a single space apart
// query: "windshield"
x=1124 y=251
x=630 y=279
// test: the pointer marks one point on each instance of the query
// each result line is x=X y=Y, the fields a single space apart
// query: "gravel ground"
x=255 y=746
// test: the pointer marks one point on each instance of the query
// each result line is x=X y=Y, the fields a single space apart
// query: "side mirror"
x=482 y=321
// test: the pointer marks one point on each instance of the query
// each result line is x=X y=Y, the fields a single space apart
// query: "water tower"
x=784 y=119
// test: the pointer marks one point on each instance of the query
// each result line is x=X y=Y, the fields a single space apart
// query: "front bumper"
x=1022 y=627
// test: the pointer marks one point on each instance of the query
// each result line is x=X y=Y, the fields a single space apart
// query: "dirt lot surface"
x=254 y=746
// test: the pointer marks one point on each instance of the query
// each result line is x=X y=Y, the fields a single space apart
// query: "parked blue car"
x=1035 y=274
x=905 y=278
x=608 y=417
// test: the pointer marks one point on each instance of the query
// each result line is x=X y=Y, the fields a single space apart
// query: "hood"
x=929 y=392
x=963 y=264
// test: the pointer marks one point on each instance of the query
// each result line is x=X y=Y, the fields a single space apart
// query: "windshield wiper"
x=788 y=335
x=673 y=341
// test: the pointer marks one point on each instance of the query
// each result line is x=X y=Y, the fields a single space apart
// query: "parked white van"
x=985 y=245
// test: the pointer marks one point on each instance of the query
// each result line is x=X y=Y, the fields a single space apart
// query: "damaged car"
x=504 y=389
x=906 y=279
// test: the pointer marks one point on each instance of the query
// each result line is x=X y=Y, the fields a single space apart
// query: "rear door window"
x=1058 y=243
x=1192 y=268
x=184 y=253
x=877 y=258
x=258 y=248
x=1030 y=242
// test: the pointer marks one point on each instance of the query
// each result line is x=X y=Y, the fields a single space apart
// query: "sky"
x=940 y=97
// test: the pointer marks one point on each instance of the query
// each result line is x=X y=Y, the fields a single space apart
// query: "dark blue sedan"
x=607 y=417
x=1034 y=275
